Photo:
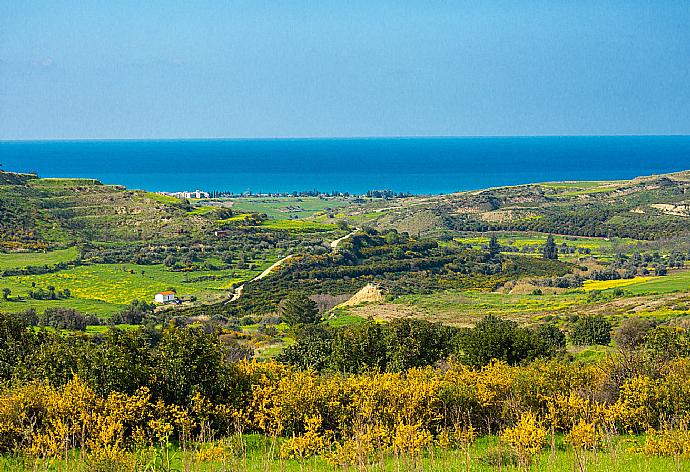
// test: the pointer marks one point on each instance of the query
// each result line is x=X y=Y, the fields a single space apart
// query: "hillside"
x=46 y=213
x=643 y=208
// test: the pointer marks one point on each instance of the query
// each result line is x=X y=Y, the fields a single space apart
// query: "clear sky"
x=151 y=69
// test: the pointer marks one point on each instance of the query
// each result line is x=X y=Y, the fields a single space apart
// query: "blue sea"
x=415 y=165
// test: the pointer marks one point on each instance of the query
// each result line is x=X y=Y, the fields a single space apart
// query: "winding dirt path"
x=334 y=243
x=237 y=293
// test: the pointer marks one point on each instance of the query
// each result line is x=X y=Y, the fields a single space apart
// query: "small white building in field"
x=165 y=297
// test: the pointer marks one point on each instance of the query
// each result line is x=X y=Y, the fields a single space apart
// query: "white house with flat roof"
x=164 y=297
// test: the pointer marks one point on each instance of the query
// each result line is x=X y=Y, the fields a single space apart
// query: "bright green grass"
x=202 y=210
x=278 y=207
x=466 y=307
x=344 y=320
x=167 y=199
x=299 y=226
x=520 y=240
x=60 y=182
x=235 y=218
x=674 y=282
x=574 y=184
x=260 y=453
x=17 y=260
x=106 y=288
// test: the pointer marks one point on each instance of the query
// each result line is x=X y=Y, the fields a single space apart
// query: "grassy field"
x=598 y=246
x=280 y=207
x=167 y=199
x=253 y=452
x=17 y=260
x=578 y=184
x=299 y=226
x=674 y=282
x=466 y=307
x=660 y=297
x=105 y=288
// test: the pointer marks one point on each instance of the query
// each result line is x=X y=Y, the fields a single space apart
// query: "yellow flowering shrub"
x=526 y=438
x=411 y=438
x=584 y=436
x=674 y=443
x=311 y=443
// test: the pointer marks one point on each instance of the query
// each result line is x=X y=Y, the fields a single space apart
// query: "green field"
x=282 y=207
x=674 y=282
x=167 y=199
x=645 y=295
x=105 y=288
x=466 y=307
x=299 y=226
x=596 y=245
x=18 y=260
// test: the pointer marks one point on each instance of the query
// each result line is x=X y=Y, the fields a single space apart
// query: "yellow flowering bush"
x=526 y=438
x=311 y=443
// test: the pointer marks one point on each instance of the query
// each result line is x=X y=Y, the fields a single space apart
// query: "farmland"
x=283 y=207
x=18 y=260
x=106 y=288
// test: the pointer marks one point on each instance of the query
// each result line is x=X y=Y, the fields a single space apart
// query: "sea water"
x=415 y=165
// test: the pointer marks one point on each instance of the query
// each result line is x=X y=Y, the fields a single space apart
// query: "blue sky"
x=153 y=69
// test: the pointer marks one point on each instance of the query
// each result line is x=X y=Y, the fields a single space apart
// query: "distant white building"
x=195 y=194
x=165 y=297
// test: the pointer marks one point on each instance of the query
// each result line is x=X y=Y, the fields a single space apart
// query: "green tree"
x=312 y=349
x=590 y=330
x=632 y=332
x=359 y=347
x=550 y=249
x=17 y=342
x=496 y=338
x=298 y=309
x=189 y=360
x=552 y=335
x=494 y=246
x=6 y=293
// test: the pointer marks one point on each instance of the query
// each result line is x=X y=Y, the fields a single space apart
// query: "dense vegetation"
x=312 y=323
x=109 y=394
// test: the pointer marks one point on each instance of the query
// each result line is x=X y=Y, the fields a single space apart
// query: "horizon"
x=345 y=138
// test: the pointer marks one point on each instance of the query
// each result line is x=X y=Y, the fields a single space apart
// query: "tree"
x=359 y=347
x=632 y=332
x=552 y=335
x=298 y=309
x=64 y=318
x=550 y=249
x=312 y=350
x=590 y=330
x=6 y=293
x=494 y=246
x=496 y=338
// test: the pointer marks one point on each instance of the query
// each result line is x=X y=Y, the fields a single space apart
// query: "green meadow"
x=299 y=226
x=466 y=307
x=283 y=207
x=105 y=288
x=597 y=246
x=18 y=260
